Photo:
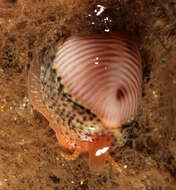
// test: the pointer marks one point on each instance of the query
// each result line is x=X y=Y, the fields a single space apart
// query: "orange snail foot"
x=97 y=149
x=99 y=153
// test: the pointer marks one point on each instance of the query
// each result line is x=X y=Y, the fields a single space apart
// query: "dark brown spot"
x=64 y=104
x=88 y=111
x=58 y=79
x=73 y=127
x=84 y=118
x=69 y=121
x=60 y=88
x=54 y=104
x=55 y=179
x=120 y=94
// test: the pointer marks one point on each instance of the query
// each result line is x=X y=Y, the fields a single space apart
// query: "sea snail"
x=87 y=89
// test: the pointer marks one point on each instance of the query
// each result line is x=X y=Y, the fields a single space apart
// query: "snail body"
x=87 y=90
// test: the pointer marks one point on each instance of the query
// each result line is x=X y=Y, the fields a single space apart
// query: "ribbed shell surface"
x=104 y=73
